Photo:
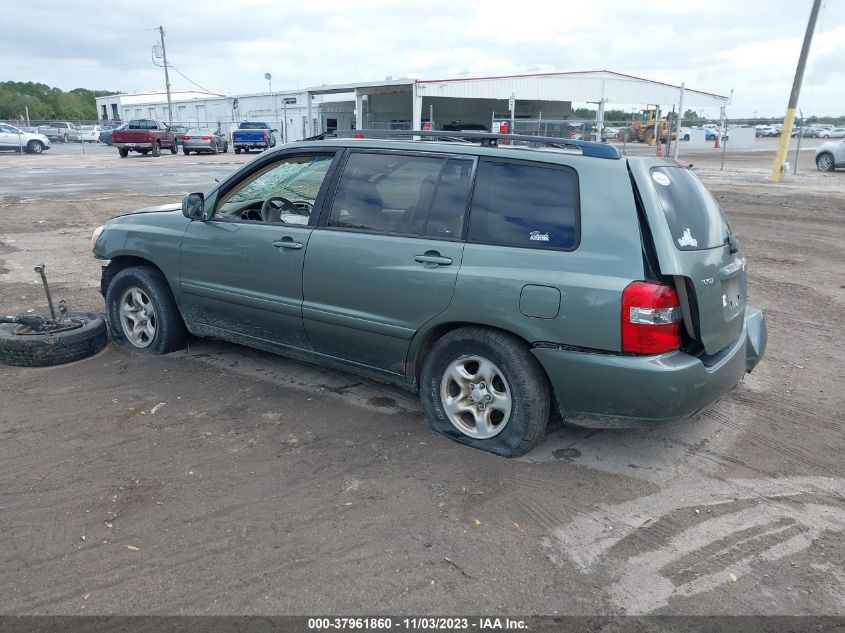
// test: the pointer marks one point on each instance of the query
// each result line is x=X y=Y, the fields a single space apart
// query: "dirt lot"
x=224 y=480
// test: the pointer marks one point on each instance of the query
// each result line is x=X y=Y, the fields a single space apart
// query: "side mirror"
x=274 y=130
x=193 y=206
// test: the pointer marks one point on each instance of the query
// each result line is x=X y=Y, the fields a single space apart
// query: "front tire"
x=142 y=313
x=156 y=149
x=174 y=148
x=35 y=147
x=481 y=387
x=825 y=162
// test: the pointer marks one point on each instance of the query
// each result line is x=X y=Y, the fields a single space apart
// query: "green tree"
x=690 y=117
x=46 y=102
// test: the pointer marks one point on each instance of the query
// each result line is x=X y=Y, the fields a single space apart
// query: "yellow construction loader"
x=642 y=129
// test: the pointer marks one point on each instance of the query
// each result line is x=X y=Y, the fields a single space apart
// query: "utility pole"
x=786 y=132
x=166 y=76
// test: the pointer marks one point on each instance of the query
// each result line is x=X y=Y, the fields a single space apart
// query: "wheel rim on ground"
x=138 y=317
x=476 y=397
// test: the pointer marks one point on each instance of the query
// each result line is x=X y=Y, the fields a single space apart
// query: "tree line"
x=45 y=102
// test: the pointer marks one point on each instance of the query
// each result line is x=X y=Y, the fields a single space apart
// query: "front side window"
x=284 y=192
x=387 y=193
x=517 y=204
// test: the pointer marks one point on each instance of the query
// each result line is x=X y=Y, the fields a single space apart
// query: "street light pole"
x=269 y=79
x=786 y=131
x=166 y=76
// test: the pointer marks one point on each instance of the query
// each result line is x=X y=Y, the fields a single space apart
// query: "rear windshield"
x=253 y=126
x=695 y=219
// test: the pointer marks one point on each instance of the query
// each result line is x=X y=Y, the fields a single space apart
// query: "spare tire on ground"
x=53 y=348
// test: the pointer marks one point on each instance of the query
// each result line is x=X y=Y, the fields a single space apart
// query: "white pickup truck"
x=57 y=130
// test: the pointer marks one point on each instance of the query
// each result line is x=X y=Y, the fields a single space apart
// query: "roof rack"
x=489 y=139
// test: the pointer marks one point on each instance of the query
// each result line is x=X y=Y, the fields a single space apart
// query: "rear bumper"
x=133 y=145
x=606 y=390
x=244 y=143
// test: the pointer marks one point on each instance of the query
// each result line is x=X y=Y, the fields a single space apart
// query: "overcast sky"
x=750 y=46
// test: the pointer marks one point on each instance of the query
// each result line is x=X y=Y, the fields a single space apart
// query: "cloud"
x=749 y=46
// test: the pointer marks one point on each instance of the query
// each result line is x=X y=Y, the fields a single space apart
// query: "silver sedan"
x=201 y=140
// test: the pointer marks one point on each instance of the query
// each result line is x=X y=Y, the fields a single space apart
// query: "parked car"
x=12 y=138
x=253 y=135
x=470 y=274
x=85 y=133
x=145 y=136
x=203 y=140
x=830 y=155
x=57 y=130
x=178 y=131
x=684 y=133
x=458 y=126
x=836 y=132
x=106 y=134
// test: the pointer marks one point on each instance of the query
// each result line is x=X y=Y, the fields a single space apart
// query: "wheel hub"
x=479 y=395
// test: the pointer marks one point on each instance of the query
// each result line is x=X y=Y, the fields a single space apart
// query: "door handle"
x=287 y=242
x=433 y=257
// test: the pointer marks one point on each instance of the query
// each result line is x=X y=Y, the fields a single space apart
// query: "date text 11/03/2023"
x=416 y=624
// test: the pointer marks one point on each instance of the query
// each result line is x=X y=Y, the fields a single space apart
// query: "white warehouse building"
x=539 y=98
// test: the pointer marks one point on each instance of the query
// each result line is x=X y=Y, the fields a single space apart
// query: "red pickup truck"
x=144 y=136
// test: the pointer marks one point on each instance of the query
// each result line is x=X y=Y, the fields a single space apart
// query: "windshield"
x=694 y=217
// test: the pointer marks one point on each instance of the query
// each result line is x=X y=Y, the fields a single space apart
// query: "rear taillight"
x=186 y=138
x=358 y=135
x=265 y=135
x=651 y=318
x=149 y=136
x=206 y=138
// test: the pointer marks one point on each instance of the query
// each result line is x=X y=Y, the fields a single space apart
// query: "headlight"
x=96 y=235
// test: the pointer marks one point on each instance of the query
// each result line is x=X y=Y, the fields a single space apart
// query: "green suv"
x=501 y=282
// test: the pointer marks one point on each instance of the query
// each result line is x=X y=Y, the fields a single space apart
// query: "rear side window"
x=532 y=206
x=695 y=219
x=446 y=218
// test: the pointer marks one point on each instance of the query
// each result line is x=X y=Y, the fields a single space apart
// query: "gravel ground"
x=228 y=481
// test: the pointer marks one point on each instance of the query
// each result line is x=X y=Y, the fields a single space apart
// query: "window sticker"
x=686 y=239
x=660 y=178
x=537 y=236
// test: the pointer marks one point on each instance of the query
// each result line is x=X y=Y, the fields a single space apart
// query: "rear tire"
x=44 y=350
x=825 y=162
x=160 y=310
x=214 y=149
x=186 y=151
x=237 y=150
x=516 y=383
x=123 y=152
x=226 y=147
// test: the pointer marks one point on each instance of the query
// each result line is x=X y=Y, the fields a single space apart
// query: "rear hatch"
x=694 y=244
